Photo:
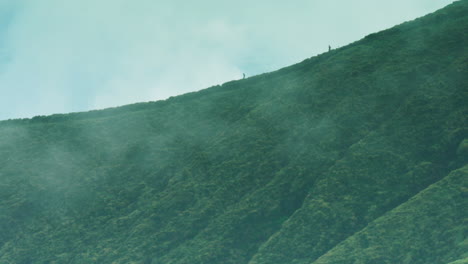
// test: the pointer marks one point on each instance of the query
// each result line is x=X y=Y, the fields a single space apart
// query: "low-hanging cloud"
x=63 y=56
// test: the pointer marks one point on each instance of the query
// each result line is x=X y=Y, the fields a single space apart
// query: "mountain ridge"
x=286 y=167
x=400 y=210
x=229 y=84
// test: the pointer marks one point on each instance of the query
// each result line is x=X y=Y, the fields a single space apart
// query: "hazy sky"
x=59 y=56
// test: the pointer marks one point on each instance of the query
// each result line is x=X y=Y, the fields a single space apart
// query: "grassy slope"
x=278 y=168
x=422 y=230
x=393 y=161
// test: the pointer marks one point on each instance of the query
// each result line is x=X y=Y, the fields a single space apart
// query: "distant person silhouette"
x=243 y=76
x=329 y=47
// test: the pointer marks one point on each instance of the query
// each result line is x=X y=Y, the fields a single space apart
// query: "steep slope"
x=278 y=168
x=396 y=159
x=422 y=230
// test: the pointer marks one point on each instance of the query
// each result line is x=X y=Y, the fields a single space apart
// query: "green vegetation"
x=422 y=230
x=357 y=155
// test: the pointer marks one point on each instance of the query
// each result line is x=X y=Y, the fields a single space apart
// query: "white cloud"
x=67 y=56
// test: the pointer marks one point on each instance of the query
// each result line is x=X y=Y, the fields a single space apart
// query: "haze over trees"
x=358 y=155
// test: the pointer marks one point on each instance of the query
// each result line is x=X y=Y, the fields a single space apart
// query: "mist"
x=58 y=57
x=279 y=168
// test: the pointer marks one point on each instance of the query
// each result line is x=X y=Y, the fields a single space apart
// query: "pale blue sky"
x=59 y=56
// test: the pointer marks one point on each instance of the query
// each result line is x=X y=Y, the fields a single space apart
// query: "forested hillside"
x=357 y=155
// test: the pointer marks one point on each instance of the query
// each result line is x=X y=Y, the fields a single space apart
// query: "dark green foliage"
x=347 y=157
x=422 y=230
